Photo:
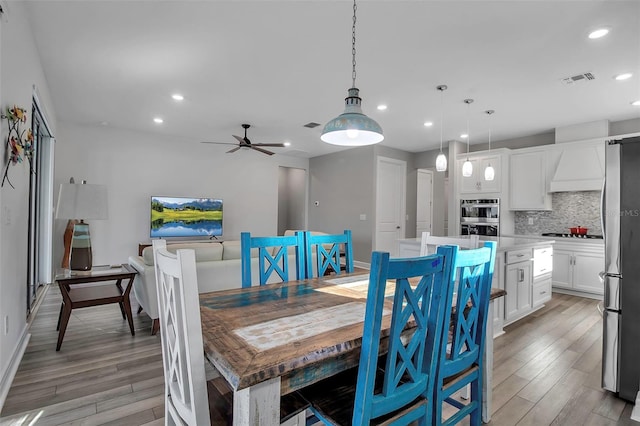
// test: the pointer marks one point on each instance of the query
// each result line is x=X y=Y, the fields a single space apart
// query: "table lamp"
x=79 y=202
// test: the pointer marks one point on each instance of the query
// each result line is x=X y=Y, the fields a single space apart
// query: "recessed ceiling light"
x=287 y=144
x=636 y=103
x=158 y=120
x=428 y=123
x=382 y=107
x=624 y=76
x=464 y=136
x=600 y=32
x=177 y=97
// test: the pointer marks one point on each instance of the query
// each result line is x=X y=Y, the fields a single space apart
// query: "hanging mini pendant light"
x=441 y=159
x=489 y=173
x=467 y=167
x=352 y=127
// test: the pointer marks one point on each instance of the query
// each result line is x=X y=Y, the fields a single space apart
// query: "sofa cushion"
x=233 y=250
x=205 y=252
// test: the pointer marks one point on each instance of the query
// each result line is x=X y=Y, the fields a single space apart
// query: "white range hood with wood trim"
x=581 y=168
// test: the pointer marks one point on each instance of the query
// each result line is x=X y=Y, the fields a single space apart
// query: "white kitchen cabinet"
x=541 y=275
x=518 y=286
x=576 y=267
x=528 y=183
x=476 y=184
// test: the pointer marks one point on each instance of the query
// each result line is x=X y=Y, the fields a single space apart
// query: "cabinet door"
x=469 y=184
x=562 y=268
x=528 y=182
x=518 y=286
x=585 y=272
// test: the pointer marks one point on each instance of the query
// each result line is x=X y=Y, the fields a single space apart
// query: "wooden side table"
x=94 y=295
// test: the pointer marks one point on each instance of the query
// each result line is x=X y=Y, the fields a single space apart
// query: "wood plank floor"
x=547 y=370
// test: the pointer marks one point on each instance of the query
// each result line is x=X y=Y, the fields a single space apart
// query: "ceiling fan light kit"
x=352 y=127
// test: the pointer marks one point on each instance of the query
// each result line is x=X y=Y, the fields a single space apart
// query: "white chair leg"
x=466 y=392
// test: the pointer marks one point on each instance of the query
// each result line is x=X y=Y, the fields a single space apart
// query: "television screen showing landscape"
x=185 y=217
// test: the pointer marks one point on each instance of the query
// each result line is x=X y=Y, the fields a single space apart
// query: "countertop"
x=504 y=243
x=561 y=240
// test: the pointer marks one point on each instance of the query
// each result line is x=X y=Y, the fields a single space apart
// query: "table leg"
x=487 y=372
x=258 y=404
x=60 y=316
x=119 y=285
x=66 y=313
x=127 y=310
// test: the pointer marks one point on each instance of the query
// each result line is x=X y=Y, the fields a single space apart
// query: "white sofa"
x=218 y=267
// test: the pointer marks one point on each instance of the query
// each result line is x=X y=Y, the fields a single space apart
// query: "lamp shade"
x=82 y=201
x=352 y=127
x=441 y=162
x=489 y=173
x=467 y=168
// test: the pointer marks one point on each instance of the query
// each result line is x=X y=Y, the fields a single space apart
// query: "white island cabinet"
x=523 y=268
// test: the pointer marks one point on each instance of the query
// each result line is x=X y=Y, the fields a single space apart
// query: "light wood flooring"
x=546 y=370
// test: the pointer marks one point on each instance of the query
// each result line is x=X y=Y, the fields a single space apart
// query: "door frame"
x=430 y=173
x=403 y=196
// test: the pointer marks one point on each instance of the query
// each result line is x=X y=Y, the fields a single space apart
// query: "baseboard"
x=577 y=293
x=635 y=413
x=362 y=265
x=10 y=373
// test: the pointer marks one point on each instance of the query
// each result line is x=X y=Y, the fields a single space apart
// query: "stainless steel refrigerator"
x=621 y=277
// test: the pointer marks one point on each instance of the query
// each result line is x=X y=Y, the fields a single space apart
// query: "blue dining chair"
x=273 y=257
x=462 y=346
x=398 y=389
x=323 y=252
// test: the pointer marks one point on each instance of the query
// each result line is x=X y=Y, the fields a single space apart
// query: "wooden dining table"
x=270 y=340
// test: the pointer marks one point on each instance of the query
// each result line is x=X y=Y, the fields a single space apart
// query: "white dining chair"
x=189 y=398
x=430 y=243
x=185 y=397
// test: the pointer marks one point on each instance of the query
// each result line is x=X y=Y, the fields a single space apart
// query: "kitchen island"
x=523 y=269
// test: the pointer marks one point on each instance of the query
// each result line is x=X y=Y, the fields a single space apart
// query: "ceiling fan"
x=244 y=142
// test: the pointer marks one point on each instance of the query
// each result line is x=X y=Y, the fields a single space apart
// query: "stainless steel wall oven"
x=481 y=217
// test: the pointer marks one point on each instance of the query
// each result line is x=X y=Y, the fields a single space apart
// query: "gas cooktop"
x=560 y=235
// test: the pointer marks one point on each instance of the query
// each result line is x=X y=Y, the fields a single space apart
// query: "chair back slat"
x=273 y=257
x=181 y=336
x=474 y=272
x=421 y=286
x=323 y=252
x=430 y=243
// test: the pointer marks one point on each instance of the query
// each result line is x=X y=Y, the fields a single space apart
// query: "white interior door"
x=390 y=204
x=424 y=202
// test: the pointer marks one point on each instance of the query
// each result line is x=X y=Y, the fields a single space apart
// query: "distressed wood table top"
x=301 y=331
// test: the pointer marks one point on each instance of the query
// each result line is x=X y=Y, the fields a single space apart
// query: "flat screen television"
x=185 y=217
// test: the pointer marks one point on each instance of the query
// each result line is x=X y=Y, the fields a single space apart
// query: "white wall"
x=136 y=166
x=20 y=71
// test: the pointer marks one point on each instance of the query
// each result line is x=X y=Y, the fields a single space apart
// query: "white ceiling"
x=281 y=64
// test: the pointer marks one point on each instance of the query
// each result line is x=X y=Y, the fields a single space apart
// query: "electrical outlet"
x=6 y=325
x=530 y=221
x=363 y=216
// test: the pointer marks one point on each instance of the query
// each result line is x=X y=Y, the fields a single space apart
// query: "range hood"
x=579 y=169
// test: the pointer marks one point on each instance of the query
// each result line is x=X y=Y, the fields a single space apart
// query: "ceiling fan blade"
x=220 y=143
x=264 y=151
x=233 y=150
x=277 y=145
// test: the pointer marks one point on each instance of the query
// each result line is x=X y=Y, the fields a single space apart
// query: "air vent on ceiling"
x=312 y=124
x=579 y=77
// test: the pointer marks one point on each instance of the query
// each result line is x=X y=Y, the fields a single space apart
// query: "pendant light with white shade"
x=352 y=127
x=489 y=173
x=441 y=159
x=467 y=167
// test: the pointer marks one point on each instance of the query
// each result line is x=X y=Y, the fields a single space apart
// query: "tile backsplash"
x=570 y=209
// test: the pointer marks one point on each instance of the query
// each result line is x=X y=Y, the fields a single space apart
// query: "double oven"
x=480 y=217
